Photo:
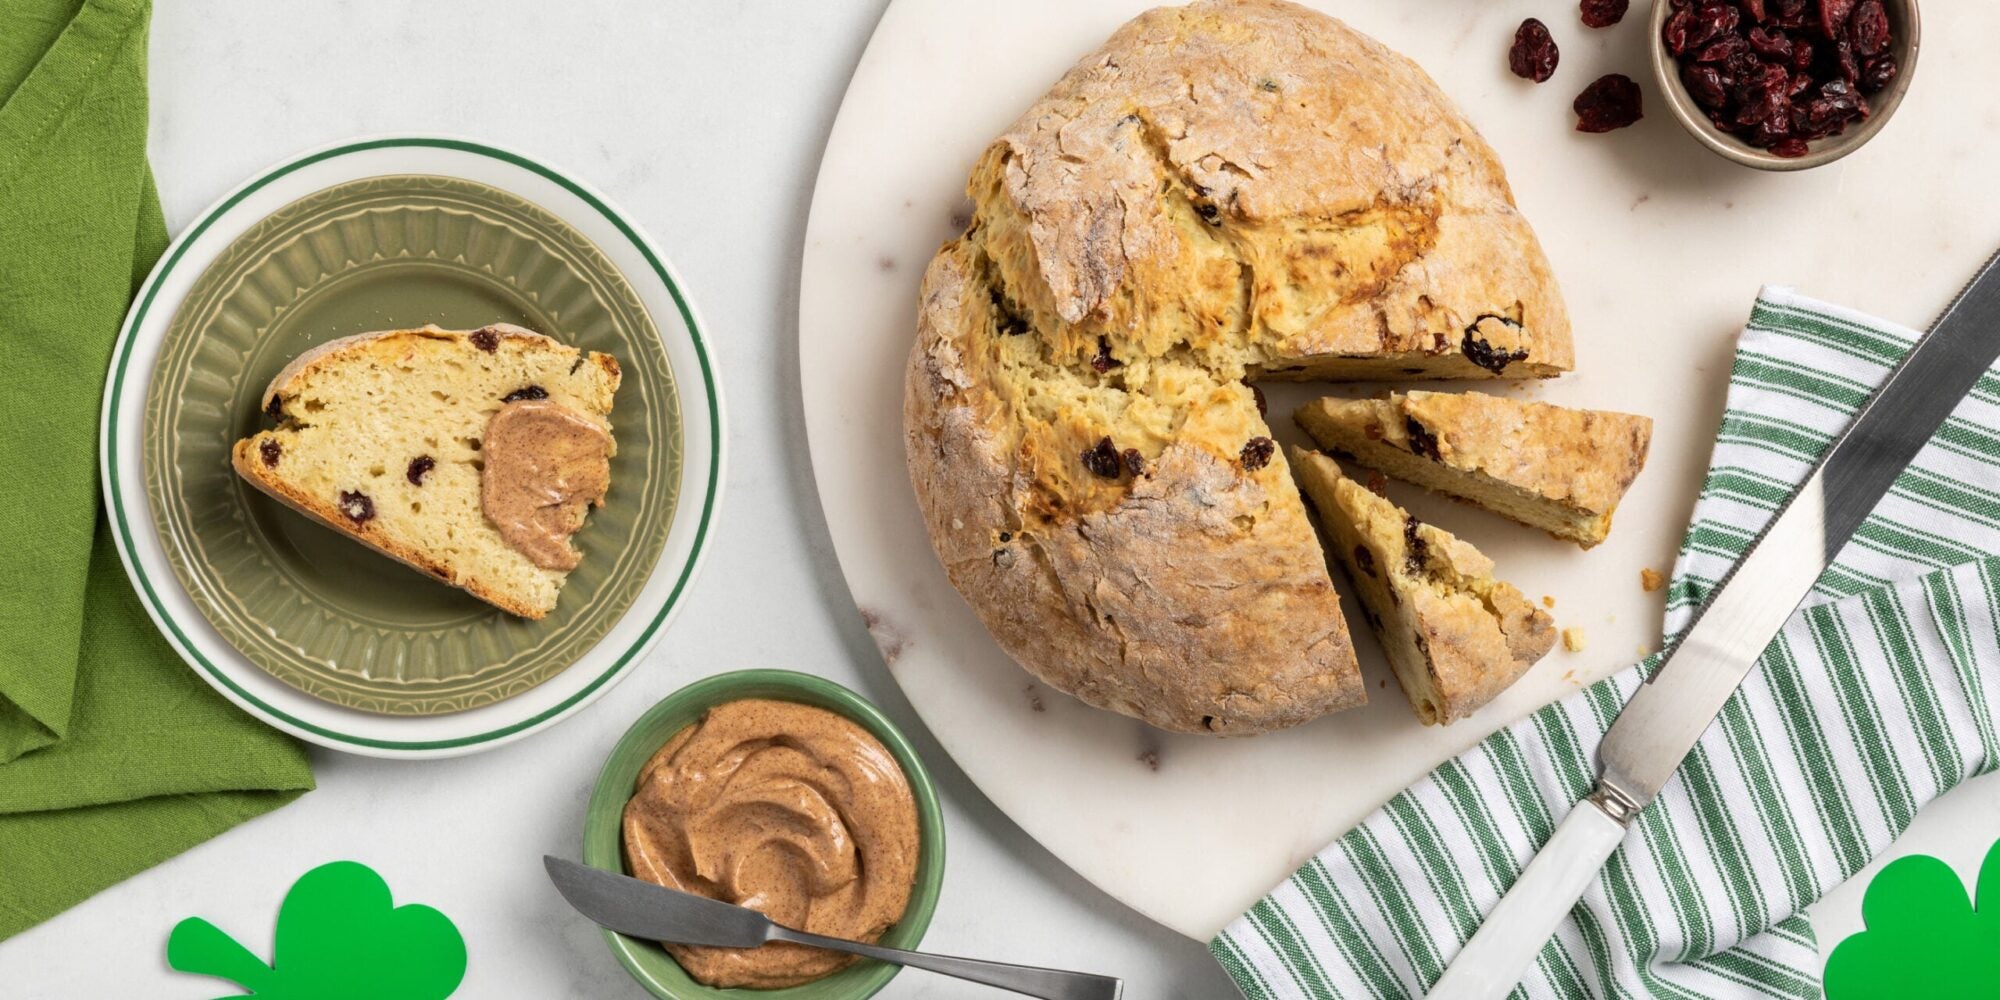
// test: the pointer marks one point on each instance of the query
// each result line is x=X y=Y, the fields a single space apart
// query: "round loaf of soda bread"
x=1224 y=191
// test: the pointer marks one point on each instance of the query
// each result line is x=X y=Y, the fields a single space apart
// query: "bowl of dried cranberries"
x=1784 y=84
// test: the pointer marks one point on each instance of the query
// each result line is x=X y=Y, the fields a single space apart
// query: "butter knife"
x=656 y=913
x=1657 y=728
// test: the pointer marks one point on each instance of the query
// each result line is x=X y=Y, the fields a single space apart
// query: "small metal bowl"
x=1905 y=27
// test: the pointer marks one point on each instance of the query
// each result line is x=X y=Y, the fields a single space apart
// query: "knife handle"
x=1493 y=962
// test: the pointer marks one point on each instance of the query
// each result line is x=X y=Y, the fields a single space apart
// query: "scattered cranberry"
x=1610 y=102
x=275 y=409
x=1257 y=452
x=1135 y=463
x=1102 y=459
x=485 y=339
x=1364 y=559
x=1604 y=13
x=357 y=506
x=420 y=467
x=1534 y=54
x=525 y=392
x=269 y=451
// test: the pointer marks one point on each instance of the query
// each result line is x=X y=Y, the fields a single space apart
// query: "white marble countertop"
x=706 y=120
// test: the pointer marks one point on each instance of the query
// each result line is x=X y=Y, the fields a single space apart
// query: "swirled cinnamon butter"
x=791 y=810
x=546 y=466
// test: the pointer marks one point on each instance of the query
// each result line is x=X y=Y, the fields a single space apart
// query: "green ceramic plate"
x=310 y=607
x=602 y=848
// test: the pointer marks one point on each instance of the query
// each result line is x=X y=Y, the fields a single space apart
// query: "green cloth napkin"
x=113 y=755
x=1877 y=697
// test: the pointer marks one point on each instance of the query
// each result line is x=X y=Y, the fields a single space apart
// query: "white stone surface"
x=706 y=120
x=1660 y=247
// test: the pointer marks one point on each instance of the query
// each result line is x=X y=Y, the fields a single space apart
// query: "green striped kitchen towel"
x=1875 y=699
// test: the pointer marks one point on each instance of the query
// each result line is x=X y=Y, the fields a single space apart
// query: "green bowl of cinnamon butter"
x=787 y=788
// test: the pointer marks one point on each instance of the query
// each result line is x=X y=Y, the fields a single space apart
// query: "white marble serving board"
x=1659 y=246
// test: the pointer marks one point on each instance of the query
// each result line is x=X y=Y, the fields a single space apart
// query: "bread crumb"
x=1651 y=580
x=1574 y=639
x=1548 y=602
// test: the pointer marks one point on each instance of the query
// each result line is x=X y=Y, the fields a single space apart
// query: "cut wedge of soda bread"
x=1455 y=636
x=1550 y=467
x=384 y=437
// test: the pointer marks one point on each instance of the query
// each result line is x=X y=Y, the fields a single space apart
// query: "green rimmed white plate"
x=307 y=630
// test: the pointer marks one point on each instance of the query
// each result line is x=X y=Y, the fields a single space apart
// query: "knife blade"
x=1703 y=667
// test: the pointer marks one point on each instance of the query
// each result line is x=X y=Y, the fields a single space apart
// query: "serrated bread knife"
x=1661 y=723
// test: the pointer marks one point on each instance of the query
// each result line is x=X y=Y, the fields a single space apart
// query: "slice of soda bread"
x=1455 y=636
x=1550 y=467
x=381 y=437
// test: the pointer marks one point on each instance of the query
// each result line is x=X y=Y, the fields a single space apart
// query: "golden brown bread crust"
x=1560 y=469
x=1455 y=635
x=1235 y=152
x=1231 y=189
x=1162 y=604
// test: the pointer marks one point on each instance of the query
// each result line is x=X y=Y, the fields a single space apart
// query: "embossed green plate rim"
x=140 y=548
x=603 y=836
x=310 y=607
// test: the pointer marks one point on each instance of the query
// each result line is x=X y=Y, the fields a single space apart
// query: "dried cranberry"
x=1610 y=102
x=1802 y=53
x=1102 y=458
x=269 y=451
x=525 y=392
x=1364 y=559
x=1833 y=16
x=1878 y=73
x=1534 y=54
x=1485 y=355
x=1414 y=549
x=1770 y=44
x=1869 y=28
x=1753 y=8
x=1845 y=62
x=1704 y=84
x=1104 y=362
x=1257 y=453
x=357 y=506
x=275 y=409
x=485 y=339
x=1712 y=20
x=1135 y=463
x=1790 y=147
x=420 y=467
x=1604 y=13
x=1722 y=49
x=1675 y=33
x=1422 y=441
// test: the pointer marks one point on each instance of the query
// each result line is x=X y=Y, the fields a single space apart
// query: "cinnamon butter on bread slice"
x=1551 y=467
x=469 y=455
x=1455 y=636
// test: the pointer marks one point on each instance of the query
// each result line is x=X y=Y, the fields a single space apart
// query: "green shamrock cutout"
x=338 y=938
x=1924 y=938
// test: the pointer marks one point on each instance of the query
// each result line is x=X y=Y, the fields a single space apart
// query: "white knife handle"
x=1493 y=962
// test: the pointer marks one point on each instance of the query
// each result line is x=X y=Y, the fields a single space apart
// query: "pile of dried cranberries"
x=1779 y=73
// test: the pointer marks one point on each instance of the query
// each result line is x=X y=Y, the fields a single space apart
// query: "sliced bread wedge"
x=1455 y=636
x=381 y=437
x=1551 y=467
